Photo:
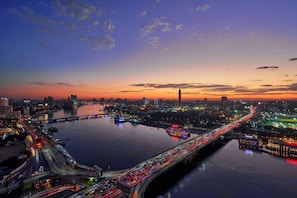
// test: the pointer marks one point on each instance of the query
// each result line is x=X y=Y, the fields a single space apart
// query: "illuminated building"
x=156 y=101
x=73 y=98
x=49 y=101
x=5 y=108
x=4 y=102
x=146 y=101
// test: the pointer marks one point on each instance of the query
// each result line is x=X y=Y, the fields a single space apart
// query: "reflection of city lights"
x=121 y=125
x=203 y=167
x=291 y=161
x=249 y=152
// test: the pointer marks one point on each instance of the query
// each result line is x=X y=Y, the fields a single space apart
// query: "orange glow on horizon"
x=112 y=91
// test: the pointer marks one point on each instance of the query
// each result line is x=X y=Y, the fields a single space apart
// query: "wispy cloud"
x=51 y=84
x=109 y=25
x=293 y=59
x=76 y=9
x=104 y=42
x=179 y=27
x=40 y=83
x=144 y=13
x=27 y=13
x=156 y=24
x=95 y=23
x=77 y=16
x=44 y=44
x=212 y=89
x=131 y=91
x=203 y=7
x=268 y=67
x=65 y=84
x=180 y=85
x=153 y=42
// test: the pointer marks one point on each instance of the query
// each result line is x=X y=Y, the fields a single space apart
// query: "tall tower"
x=179 y=97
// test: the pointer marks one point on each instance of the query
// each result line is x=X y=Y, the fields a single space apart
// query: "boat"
x=119 y=119
x=177 y=131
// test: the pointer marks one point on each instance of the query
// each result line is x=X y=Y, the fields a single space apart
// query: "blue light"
x=249 y=152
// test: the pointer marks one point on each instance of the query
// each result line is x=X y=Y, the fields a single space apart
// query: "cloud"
x=70 y=17
x=293 y=59
x=65 y=84
x=40 y=83
x=268 y=67
x=51 y=84
x=95 y=23
x=131 y=91
x=203 y=7
x=109 y=25
x=156 y=24
x=76 y=9
x=179 y=27
x=181 y=85
x=153 y=42
x=144 y=13
x=48 y=30
x=27 y=13
x=44 y=44
x=219 y=89
x=293 y=87
x=105 y=42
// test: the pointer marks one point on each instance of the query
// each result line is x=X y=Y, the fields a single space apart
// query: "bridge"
x=130 y=182
x=133 y=182
x=73 y=118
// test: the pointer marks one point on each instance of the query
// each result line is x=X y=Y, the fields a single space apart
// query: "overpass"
x=133 y=182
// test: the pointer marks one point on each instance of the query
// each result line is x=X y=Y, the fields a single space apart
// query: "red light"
x=174 y=126
x=291 y=161
x=291 y=143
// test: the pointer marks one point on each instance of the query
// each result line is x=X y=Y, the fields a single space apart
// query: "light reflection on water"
x=230 y=172
x=100 y=141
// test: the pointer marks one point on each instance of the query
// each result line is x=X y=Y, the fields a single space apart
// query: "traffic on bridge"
x=133 y=182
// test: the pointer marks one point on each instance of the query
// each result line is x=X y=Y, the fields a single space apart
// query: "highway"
x=46 y=161
x=49 y=159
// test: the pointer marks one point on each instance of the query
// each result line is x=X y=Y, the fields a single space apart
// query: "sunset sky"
x=149 y=48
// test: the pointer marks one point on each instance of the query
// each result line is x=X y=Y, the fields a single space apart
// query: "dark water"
x=227 y=172
x=111 y=146
x=230 y=172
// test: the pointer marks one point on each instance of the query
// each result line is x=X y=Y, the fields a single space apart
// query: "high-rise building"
x=179 y=97
x=50 y=101
x=73 y=98
x=4 y=102
x=156 y=102
x=146 y=101
x=5 y=108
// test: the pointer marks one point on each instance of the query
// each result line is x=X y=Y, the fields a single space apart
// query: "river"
x=224 y=172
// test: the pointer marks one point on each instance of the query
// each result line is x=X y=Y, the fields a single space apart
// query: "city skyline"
x=135 y=49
